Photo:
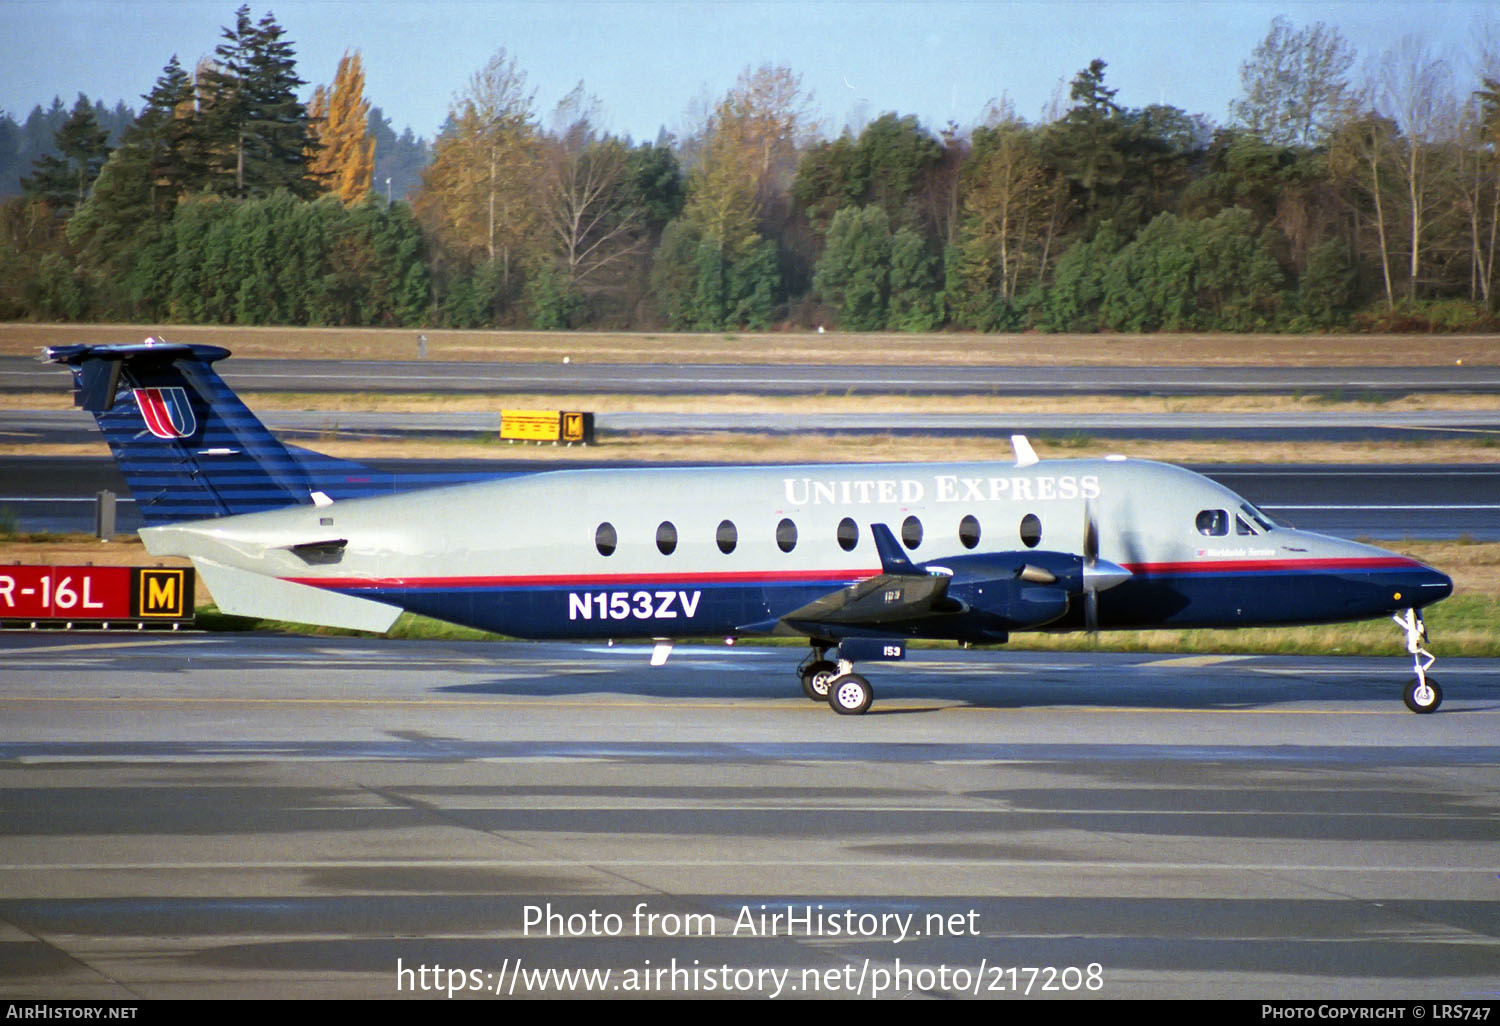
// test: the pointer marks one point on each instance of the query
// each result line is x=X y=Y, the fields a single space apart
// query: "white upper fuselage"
x=532 y=554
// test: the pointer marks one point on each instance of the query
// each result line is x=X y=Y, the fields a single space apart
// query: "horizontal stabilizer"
x=242 y=593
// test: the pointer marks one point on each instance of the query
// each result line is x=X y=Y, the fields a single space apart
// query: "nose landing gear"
x=816 y=671
x=1422 y=695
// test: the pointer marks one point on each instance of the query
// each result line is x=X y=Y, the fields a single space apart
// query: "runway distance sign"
x=86 y=594
x=572 y=427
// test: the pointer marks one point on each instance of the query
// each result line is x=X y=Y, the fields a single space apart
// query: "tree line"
x=1333 y=199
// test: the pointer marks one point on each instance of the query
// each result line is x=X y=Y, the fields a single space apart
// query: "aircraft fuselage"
x=693 y=552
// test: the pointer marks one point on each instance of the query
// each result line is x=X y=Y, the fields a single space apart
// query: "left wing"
x=974 y=597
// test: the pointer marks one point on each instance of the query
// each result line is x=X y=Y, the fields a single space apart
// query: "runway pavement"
x=243 y=373
x=193 y=816
x=75 y=427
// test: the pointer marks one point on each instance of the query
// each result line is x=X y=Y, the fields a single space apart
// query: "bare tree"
x=476 y=192
x=751 y=144
x=1361 y=156
x=1414 y=89
x=1295 y=84
x=1013 y=205
x=584 y=204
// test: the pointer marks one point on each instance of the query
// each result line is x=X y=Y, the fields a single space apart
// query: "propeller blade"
x=1090 y=534
x=1098 y=574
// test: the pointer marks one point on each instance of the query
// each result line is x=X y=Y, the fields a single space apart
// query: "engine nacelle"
x=1014 y=590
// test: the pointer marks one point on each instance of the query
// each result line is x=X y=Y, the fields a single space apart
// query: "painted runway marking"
x=935 y=704
x=801 y=863
x=1412 y=507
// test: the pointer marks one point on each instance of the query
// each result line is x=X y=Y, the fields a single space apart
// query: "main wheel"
x=850 y=694
x=816 y=677
x=1422 y=697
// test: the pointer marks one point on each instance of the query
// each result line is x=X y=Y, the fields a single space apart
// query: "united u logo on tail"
x=167 y=412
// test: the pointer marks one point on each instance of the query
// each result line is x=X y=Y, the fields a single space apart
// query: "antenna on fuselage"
x=1025 y=455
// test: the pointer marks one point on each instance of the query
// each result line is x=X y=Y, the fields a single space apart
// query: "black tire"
x=850 y=695
x=1420 y=702
x=817 y=677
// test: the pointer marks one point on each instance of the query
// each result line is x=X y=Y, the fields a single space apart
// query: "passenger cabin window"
x=605 y=539
x=786 y=536
x=1031 y=530
x=848 y=534
x=1213 y=522
x=968 y=531
x=727 y=536
x=911 y=532
x=666 y=538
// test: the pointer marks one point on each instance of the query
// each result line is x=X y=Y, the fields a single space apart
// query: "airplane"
x=858 y=559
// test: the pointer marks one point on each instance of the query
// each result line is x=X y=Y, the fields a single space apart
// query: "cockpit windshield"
x=1261 y=520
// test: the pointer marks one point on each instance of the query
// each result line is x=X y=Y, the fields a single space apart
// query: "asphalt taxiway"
x=222 y=816
x=19 y=373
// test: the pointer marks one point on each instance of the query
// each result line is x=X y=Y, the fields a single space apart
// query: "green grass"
x=1466 y=626
x=409 y=626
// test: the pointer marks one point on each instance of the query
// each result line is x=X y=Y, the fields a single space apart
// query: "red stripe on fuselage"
x=590 y=580
x=1242 y=566
x=1238 y=566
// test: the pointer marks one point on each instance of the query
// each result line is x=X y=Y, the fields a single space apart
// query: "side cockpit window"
x=1213 y=522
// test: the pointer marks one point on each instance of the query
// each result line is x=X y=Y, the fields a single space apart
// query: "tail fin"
x=188 y=447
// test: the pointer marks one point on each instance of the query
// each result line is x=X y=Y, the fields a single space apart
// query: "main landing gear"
x=834 y=682
x=1422 y=695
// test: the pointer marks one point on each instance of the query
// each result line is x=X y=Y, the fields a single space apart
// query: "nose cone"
x=1429 y=585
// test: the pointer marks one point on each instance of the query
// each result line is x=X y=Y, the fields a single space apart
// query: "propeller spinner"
x=1098 y=574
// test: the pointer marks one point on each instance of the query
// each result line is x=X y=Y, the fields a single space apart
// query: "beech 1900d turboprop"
x=859 y=559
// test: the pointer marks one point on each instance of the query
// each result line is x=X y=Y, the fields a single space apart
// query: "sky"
x=658 y=64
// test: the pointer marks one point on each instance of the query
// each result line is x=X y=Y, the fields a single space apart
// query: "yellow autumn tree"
x=748 y=156
x=343 y=162
x=477 y=195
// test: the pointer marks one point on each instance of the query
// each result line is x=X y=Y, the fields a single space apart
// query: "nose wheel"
x=1422 y=695
x=816 y=677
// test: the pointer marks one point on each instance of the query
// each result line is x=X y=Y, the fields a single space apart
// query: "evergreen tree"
x=10 y=156
x=135 y=196
x=64 y=181
x=887 y=166
x=164 y=135
x=655 y=184
x=1121 y=165
x=701 y=287
x=915 y=301
x=256 y=129
x=854 y=273
x=399 y=159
